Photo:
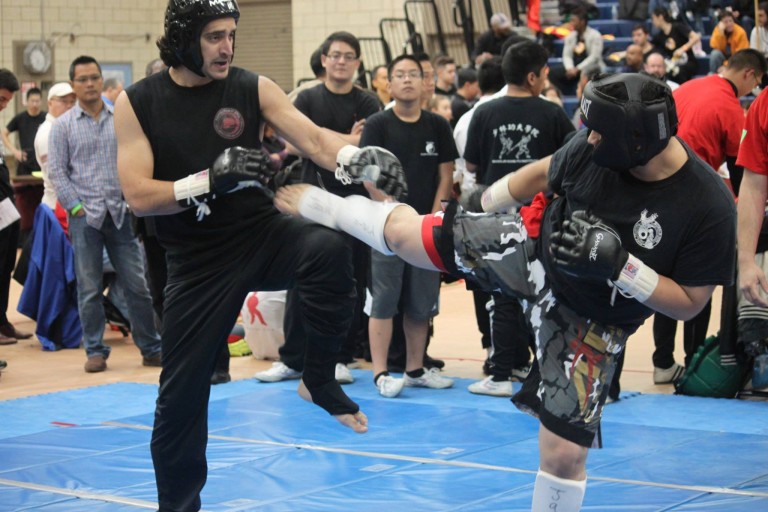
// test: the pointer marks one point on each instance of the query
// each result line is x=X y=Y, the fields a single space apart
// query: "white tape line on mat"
x=465 y=464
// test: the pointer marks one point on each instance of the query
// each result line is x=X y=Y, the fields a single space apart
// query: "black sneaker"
x=220 y=377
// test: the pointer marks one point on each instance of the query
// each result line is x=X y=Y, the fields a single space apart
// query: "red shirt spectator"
x=711 y=118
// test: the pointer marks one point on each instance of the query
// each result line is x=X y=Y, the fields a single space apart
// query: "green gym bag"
x=706 y=376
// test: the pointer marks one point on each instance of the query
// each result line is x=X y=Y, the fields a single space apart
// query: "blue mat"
x=427 y=449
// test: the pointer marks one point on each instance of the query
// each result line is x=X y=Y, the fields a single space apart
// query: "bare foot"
x=287 y=198
x=358 y=422
x=303 y=391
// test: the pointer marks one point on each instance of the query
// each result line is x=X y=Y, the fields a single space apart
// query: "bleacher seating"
x=618 y=35
x=431 y=25
x=619 y=28
x=618 y=44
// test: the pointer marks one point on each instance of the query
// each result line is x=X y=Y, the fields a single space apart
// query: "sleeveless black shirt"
x=188 y=127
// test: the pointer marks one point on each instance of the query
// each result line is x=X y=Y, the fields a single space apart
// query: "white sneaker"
x=488 y=386
x=278 y=372
x=668 y=375
x=430 y=379
x=343 y=375
x=389 y=386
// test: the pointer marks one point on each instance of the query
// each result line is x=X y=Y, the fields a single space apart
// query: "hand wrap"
x=236 y=168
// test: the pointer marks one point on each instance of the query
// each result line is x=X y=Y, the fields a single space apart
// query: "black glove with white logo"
x=585 y=247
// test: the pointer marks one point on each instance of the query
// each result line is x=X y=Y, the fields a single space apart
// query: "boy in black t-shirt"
x=505 y=134
x=423 y=142
x=625 y=236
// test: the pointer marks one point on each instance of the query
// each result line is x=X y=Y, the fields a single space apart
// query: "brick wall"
x=114 y=31
x=108 y=30
x=314 y=20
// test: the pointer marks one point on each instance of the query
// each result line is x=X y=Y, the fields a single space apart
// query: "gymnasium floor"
x=74 y=442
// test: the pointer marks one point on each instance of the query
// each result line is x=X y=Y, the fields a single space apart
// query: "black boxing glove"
x=234 y=169
x=375 y=165
x=587 y=248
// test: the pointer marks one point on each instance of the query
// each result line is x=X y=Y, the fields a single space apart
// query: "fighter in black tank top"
x=216 y=116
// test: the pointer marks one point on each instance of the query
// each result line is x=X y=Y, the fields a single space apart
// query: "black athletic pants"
x=480 y=299
x=200 y=309
x=9 y=241
x=292 y=351
x=157 y=278
x=510 y=337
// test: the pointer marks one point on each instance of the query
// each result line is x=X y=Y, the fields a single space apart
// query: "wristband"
x=497 y=197
x=76 y=208
x=636 y=279
x=189 y=190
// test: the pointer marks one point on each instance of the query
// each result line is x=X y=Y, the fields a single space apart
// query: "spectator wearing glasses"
x=427 y=79
x=82 y=163
x=339 y=106
x=424 y=143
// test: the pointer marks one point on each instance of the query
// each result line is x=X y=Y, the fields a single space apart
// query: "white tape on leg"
x=357 y=215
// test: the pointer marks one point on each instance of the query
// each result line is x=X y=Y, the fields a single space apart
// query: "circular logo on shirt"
x=228 y=123
x=647 y=230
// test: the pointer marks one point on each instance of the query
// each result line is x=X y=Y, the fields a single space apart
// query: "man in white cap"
x=489 y=43
x=61 y=98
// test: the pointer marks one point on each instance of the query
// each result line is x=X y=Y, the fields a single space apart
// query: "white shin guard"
x=554 y=493
x=357 y=215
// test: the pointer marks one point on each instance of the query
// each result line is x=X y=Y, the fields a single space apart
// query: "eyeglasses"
x=65 y=101
x=85 y=79
x=413 y=75
x=348 y=57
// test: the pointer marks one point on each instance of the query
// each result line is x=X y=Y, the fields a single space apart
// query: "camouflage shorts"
x=577 y=357
x=577 y=360
x=493 y=251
